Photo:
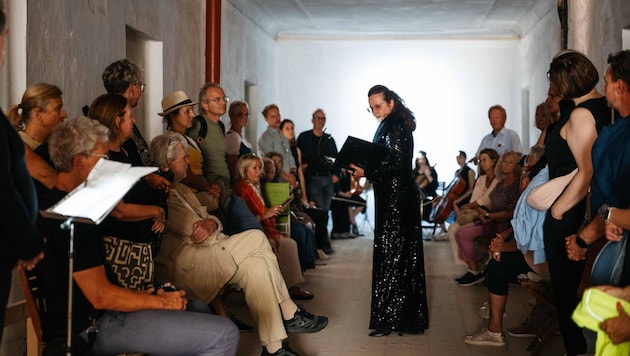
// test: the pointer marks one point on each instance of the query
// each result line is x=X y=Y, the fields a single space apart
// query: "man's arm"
x=105 y=296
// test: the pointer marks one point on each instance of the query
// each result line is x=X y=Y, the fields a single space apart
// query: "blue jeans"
x=165 y=332
x=239 y=218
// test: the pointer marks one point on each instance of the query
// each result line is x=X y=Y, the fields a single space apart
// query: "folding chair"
x=275 y=194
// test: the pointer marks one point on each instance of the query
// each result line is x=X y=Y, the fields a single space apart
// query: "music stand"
x=91 y=203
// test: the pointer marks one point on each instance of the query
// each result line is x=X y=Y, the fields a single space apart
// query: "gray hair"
x=119 y=75
x=72 y=137
x=163 y=148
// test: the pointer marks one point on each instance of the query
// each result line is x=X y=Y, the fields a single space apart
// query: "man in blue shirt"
x=500 y=139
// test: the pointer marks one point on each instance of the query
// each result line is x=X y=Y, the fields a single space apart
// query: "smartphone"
x=286 y=202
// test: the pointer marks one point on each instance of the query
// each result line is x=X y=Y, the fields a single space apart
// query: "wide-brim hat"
x=174 y=101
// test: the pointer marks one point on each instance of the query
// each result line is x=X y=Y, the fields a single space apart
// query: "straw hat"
x=174 y=101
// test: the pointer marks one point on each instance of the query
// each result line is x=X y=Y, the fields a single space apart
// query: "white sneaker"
x=484 y=339
x=441 y=236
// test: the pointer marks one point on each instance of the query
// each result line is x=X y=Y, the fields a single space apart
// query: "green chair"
x=275 y=194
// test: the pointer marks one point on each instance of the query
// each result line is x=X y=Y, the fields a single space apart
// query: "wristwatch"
x=604 y=211
x=580 y=242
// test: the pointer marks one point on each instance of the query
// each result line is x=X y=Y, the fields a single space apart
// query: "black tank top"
x=557 y=152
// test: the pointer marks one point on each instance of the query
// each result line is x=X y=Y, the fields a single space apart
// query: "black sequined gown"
x=399 y=299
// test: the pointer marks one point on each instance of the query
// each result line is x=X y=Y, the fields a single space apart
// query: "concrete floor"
x=342 y=292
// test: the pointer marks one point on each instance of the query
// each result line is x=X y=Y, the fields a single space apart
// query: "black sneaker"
x=470 y=279
x=466 y=275
x=285 y=350
x=305 y=322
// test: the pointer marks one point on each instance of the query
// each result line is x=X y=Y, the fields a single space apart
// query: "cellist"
x=466 y=174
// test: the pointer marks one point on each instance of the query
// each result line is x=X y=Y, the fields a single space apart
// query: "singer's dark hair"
x=399 y=105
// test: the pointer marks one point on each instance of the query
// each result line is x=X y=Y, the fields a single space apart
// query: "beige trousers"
x=259 y=276
x=289 y=262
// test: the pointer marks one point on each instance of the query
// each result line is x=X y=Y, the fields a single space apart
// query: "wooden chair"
x=275 y=194
x=35 y=303
x=541 y=290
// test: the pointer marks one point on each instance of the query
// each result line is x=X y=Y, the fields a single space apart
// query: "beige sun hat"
x=174 y=101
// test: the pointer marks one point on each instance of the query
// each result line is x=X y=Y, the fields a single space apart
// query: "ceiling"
x=434 y=19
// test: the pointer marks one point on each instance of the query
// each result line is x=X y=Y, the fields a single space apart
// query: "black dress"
x=399 y=300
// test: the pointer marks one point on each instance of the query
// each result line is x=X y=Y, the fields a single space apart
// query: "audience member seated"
x=135 y=224
x=465 y=174
x=177 y=110
x=484 y=185
x=301 y=232
x=247 y=187
x=121 y=320
x=511 y=257
x=494 y=216
x=316 y=219
x=270 y=174
x=237 y=144
x=39 y=112
x=199 y=258
x=346 y=205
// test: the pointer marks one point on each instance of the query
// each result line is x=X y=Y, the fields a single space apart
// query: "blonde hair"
x=35 y=96
x=244 y=162
x=517 y=167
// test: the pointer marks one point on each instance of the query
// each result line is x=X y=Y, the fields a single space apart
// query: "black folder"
x=364 y=154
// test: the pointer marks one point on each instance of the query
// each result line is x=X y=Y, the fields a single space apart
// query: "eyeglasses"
x=141 y=86
x=371 y=109
x=320 y=117
x=225 y=99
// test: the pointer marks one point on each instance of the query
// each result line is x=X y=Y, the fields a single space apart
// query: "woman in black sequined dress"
x=399 y=300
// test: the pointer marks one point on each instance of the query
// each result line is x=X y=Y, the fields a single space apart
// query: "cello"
x=443 y=208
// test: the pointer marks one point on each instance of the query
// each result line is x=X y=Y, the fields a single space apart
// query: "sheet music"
x=95 y=198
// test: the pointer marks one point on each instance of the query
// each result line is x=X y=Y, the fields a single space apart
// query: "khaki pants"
x=259 y=276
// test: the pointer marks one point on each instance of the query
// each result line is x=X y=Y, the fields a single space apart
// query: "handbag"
x=467 y=216
x=543 y=196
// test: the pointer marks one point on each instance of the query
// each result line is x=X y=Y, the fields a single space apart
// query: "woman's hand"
x=202 y=229
x=357 y=171
x=496 y=247
x=273 y=211
x=555 y=214
x=484 y=216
